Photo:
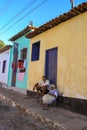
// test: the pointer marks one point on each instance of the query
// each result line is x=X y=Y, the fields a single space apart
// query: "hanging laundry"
x=21 y=76
x=20 y=64
x=25 y=63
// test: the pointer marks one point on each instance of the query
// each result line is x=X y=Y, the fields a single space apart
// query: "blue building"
x=19 y=59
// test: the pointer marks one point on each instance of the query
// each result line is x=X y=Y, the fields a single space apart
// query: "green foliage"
x=2 y=44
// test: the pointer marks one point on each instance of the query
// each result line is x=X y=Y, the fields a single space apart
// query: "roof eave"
x=7 y=47
x=21 y=33
x=62 y=18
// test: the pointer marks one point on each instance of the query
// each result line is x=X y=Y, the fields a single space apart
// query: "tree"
x=2 y=44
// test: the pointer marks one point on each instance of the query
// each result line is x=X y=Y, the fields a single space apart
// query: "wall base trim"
x=71 y=104
x=74 y=104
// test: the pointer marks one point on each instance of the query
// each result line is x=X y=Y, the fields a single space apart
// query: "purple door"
x=15 y=59
x=51 y=65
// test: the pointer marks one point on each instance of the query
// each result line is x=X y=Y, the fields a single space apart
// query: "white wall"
x=4 y=56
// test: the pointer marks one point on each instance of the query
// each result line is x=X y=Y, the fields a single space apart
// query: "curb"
x=47 y=122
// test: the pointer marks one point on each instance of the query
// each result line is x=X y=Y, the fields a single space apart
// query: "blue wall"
x=23 y=42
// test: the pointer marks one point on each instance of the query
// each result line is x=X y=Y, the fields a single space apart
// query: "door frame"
x=46 y=63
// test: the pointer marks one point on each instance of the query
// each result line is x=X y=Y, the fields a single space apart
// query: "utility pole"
x=72 y=3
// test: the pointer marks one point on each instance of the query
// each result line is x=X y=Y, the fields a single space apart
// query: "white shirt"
x=46 y=83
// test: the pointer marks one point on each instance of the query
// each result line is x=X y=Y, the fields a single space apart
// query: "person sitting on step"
x=42 y=87
x=50 y=97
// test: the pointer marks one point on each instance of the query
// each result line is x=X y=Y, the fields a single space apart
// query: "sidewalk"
x=55 y=118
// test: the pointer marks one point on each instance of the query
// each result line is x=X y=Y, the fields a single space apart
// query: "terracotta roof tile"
x=21 y=33
x=62 y=18
x=5 y=48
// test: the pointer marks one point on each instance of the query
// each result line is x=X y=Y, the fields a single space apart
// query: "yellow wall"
x=71 y=39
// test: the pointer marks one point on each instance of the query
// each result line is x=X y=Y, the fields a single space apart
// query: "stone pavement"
x=55 y=118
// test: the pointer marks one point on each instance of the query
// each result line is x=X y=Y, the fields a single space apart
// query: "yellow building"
x=59 y=51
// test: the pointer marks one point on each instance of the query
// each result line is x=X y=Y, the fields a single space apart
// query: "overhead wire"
x=23 y=16
x=28 y=5
x=6 y=6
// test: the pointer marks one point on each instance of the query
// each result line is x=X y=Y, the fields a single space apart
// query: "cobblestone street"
x=13 y=119
x=19 y=112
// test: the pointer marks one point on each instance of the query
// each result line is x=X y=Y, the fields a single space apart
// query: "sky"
x=15 y=15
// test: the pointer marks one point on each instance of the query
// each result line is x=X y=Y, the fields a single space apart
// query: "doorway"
x=51 y=65
x=14 y=64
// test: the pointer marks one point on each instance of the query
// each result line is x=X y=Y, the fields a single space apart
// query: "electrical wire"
x=24 y=16
x=28 y=5
x=6 y=6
